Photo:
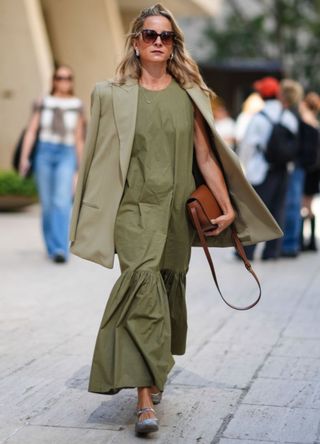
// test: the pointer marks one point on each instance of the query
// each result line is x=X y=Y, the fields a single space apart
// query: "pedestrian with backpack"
x=268 y=147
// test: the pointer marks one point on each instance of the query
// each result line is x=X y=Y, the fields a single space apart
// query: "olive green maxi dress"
x=145 y=320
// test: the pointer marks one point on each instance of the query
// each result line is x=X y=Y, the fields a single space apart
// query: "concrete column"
x=88 y=36
x=117 y=31
x=26 y=66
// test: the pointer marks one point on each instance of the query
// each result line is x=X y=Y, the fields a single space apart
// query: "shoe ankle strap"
x=145 y=410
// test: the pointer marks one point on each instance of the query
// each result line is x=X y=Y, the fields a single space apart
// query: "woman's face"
x=159 y=50
x=63 y=80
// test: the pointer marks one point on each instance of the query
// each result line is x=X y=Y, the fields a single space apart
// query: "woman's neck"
x=62 y=95
x=154 y=76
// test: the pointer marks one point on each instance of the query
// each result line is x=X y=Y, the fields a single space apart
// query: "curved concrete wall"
x=88 y=36
x=26 y=66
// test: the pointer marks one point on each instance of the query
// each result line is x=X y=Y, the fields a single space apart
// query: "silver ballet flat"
x=156 y=397
x=148 y=425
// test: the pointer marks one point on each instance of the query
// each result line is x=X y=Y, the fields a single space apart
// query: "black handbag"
x=18 y=150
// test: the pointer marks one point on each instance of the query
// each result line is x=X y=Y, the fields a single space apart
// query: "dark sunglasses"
x=150 y=36
x=68 y=78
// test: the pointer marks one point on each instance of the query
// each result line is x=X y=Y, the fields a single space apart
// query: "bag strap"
x=240 y=250
x=266 y=116
x=272 y=122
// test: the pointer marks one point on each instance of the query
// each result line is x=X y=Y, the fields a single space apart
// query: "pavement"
x=246 y=378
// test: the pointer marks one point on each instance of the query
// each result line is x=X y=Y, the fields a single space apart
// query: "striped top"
x=59 y=118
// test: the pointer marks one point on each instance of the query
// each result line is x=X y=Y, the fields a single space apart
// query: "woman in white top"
x=225 y=125
x=59 y=120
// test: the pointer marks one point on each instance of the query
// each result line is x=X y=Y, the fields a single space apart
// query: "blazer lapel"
x=125 y=102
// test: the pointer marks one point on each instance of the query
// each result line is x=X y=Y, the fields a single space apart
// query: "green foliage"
x=13 y=184
x=242 y=38
x=283 y=30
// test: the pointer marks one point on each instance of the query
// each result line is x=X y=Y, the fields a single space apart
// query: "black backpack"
x=282 y=146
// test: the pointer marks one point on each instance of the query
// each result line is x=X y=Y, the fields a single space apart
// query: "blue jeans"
x=54 y=168
x=292 y=227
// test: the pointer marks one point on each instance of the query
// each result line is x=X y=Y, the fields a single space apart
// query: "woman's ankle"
x=144 y=397
x=154 y=389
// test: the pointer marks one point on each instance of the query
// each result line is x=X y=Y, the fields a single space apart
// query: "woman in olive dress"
x=145 y=319
x=149 y=128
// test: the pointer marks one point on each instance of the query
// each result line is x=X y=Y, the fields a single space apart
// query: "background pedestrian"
x=309 y=110
x=252 y=105
x=225 y=125
x=59 y=119
x=269 y=181
x=292 y=94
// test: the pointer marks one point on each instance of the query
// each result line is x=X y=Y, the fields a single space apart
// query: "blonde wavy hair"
x=181 y=66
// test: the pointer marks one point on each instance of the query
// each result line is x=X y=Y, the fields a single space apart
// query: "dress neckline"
x=158 y=90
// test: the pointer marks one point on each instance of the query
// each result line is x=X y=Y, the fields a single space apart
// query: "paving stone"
x=245 y=329
x=59 y=435
x=74 y=408
x=310 y=308
x=279 y=424
x=8 y=427
x=245 y=441
x=39 y=388
x=217 y=364
x=302 y=329
x=297 y=347
x=284 y=393
x=291 y=368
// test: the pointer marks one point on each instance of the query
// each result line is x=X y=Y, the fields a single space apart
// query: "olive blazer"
x=105 y=164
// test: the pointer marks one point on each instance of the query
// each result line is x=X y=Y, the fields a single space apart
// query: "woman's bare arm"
x=79 y=141
x=79 y=137
x=29 y=139
x=212 y=175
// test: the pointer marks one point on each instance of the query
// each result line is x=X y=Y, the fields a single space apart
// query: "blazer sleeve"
x=87 y=159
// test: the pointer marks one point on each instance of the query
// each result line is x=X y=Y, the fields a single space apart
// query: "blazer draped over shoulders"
x=105 y=164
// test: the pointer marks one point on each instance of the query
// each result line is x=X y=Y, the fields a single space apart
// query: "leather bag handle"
x=240 y=250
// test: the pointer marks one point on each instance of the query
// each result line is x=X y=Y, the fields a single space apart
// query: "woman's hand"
x=222 y=222
x=24 y=166
x=213 y=176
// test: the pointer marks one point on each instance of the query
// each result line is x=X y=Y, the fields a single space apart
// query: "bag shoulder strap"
x=272 y=123
x=240 y=250
x=264 y=114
